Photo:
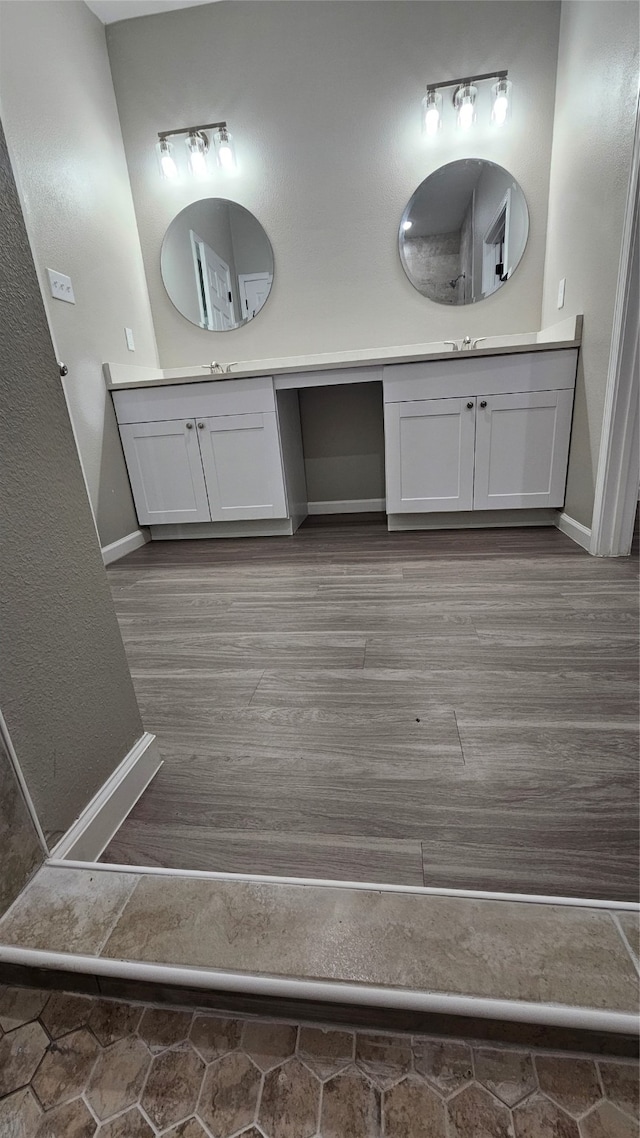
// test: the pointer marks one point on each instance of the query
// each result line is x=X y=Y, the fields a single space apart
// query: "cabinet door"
x=243 y=466
x=429 y=455
x=165 y=471
x=522 y=445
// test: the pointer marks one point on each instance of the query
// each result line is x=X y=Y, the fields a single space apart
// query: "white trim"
x=618 y=465
x=377 y=887
x=349 y=506
x=575 y=530
x=13 y=759
x=92 y=831
x=124 y=545
x=328 y=991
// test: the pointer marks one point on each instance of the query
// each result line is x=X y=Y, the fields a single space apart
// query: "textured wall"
x=593 y=136
x=20 y=849
x=324 y=102
x=60 y=117
x=65 y=686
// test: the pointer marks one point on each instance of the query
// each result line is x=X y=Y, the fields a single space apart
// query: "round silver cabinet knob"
x=470 y=405
x=483 y=403
x=201 y=426
x=189 y=426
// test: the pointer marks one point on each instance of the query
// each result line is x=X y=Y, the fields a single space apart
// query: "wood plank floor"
x=453 y=708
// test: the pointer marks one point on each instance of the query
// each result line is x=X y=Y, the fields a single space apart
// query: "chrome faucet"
x=217 y=369
x=467 y=344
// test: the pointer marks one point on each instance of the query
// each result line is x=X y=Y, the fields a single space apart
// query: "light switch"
x=561 y=288
x=130 y=341
x=61 y=286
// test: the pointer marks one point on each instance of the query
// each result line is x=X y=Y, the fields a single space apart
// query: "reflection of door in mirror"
x=254 y=290
x=495 y=248
x=213 y=282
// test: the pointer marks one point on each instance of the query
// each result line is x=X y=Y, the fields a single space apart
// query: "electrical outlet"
x=61 y=286
x=561 y=288
x=128 y=332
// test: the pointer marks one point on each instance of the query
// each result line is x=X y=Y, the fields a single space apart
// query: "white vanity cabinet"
x=165 y=471
x=494 y=436
x=242 y=466
x=429 y=455
x=219 y=461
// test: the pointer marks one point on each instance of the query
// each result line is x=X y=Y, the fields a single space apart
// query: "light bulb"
x=465 y=103
x=168 y=168
x=432 y=112
x=198 y=145
x=466 y=115
x=501 y=92
x=225 y=152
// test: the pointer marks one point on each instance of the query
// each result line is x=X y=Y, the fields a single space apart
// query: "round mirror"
x=464 y=231
x=217 y=264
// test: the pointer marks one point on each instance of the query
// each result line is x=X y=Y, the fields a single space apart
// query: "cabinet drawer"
x=462 y=376
x=188 y=400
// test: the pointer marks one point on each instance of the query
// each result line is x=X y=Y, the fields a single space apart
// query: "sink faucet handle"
x=478 y=341
x=213 y=366
x=454 y=344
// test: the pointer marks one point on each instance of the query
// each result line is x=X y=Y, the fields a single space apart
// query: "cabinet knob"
x=201 y=426
x=189 y=426
x=470 y=405
x=483 y=403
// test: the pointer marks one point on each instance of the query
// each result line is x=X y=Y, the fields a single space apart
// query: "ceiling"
x=111 y=10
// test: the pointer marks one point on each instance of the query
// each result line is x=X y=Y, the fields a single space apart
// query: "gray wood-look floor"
x=453 y=708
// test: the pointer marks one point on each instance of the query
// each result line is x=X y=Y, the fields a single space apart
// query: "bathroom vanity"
x=475 y=433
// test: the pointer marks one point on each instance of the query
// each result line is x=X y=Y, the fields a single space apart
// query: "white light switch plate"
x=129 y=338
x=61 y=286
x=561 y=288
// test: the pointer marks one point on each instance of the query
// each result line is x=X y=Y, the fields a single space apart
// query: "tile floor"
x=74 y=1066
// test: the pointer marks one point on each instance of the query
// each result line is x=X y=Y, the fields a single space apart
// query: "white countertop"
x=566 y=334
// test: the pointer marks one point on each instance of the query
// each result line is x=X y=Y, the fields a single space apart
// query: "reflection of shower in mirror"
x=463 y=232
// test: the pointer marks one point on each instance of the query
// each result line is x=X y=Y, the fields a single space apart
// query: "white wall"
x=594 y=122
x=60 y=117
x=323 y=99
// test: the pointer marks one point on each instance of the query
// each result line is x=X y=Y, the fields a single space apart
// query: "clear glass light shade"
x=432 y=112
x=501 y=102
x=197 y=146
x=166 y=161
x=465 y=104
x=225 y=151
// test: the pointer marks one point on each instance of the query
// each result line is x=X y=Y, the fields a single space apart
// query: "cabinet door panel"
x=243 y=466
x=165 y=470
x=522 y=445
x=429 y=455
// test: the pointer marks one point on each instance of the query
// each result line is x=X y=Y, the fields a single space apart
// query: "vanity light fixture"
x=501 y=109
x=167 y=162
x=432 y=111
x=198 y=146
x=464 y=101
x=225 y=152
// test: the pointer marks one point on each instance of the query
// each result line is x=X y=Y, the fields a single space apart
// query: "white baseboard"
x=575 y=530
x=348 y=506
x=91 y=833
x=124 y=545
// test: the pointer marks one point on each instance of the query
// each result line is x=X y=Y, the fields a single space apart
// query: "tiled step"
x=400 y=959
